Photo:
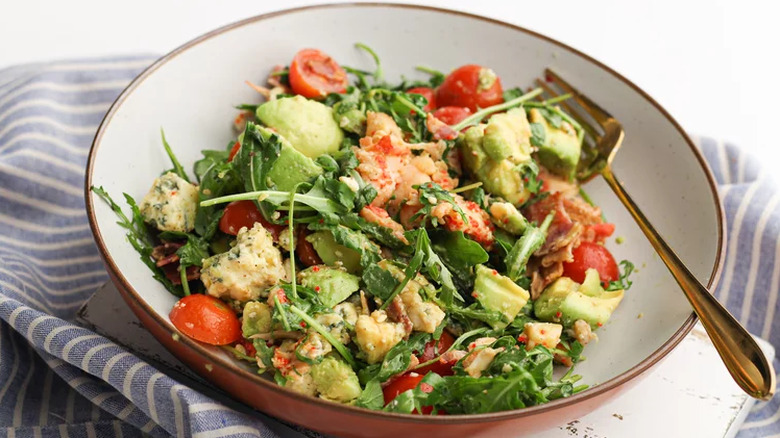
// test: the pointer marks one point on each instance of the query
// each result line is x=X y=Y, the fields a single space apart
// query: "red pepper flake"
x=173 y=193
x=495 y=272
x=315 y=268
x=472 y=345
x=303 y=324
x=522 y=338
x=475 y=295
x=316 y=288
x=426 y=387
x=541 y=331
x=599 y=324
x=558 y=314
x=322 y=221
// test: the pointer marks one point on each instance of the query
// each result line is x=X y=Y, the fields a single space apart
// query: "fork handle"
x=739 y=351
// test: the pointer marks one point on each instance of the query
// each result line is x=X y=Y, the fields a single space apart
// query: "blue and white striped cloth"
x=58 y=379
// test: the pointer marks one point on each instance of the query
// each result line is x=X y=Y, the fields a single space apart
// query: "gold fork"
x=737 y=348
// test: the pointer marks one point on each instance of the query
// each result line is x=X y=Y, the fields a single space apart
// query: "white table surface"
x=703 y=60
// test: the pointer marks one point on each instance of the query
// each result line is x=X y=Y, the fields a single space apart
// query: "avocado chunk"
x=499 y=293
x=333 y=254
x=507 y=217
x=307 y=124
x=565 y=301
x=256 y=319
x=291 y=167
x=493 y=152
x=559 y=151
x=335 y=380
x=333 y=285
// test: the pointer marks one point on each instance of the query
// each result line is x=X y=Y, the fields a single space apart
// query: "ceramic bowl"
x=191 y=92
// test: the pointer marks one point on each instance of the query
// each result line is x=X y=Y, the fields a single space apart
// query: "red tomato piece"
x=234 y=150
x=239 y=214
x=314 y=74
x=305 y=250
x=428 y=94
x=591 y=255
x=404 y=383
x=452 y=115
x=471 y=86
x=206 y=319
x=433 y=350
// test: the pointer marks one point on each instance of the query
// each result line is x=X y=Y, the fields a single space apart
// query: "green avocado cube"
x=499 y=293
x=335 y=380
x=332 y=284
x=307 y=124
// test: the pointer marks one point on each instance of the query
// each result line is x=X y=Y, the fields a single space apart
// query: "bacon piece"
x=396 y=311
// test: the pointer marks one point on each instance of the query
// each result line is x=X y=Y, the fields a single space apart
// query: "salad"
x=420 y=247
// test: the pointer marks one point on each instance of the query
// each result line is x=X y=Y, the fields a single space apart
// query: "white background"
x=712 y=64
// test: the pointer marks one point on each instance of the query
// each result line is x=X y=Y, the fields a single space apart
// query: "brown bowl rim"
x=206 y=353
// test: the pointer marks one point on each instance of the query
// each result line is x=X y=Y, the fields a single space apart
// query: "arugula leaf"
x=371 y=397
x=349 y=110
x=436 y=79
x=381 y=234
x=532 y=240
x=538 y=134
x=478 y=197
x=411 y=269
x=177 y=168
x=138 y=236
x=436 y=269
x=552 y=117
x=414 y=400
x=529 y=171
x=512 y=93
x=368 y=250
x=211 y=158
x=256 y=157
x=457 y=250
x=622 y=282
x=396 y=360
x=379 y=282
x=430 y=196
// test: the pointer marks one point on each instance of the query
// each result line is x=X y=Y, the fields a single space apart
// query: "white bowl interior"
x=193 y=93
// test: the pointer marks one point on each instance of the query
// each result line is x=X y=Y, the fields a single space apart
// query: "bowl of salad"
x=392 y=235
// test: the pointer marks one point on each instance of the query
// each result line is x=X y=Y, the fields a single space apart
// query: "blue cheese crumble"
x=171 y=204
x=250 y=267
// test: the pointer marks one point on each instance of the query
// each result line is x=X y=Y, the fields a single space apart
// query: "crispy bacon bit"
x=171 y=272
x=166 y=253
x=167 y=259
x=396 y=311
x=575 y=221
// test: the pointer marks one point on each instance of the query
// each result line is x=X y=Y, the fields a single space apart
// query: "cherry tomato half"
x=452 y=115
x=591 y=255
x=428 y=94
x=471 y=86
x=206 y=319
x=433 y=350
x=239 y=214
x=404 y=383
x=314 y=74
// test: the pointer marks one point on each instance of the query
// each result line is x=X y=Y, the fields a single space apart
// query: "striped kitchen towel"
x=59 y=379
